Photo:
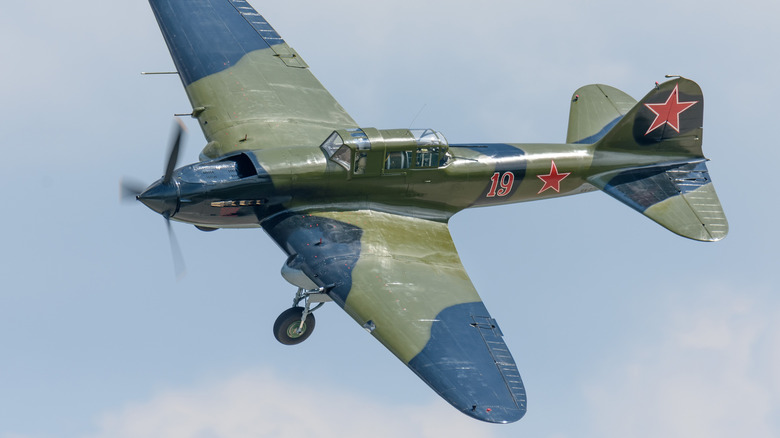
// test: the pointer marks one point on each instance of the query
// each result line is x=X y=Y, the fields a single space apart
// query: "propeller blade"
x=157 y=199
x=174 y=155
x=178 y=258
x=129 y=189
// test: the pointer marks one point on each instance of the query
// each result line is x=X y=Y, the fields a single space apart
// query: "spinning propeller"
x=162 y=196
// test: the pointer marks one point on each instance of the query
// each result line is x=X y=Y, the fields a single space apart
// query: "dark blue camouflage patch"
x=209 y=36
x=645 y=187
x=467 y=363
x=508 y=159
x=597 y=136
x=327 y=249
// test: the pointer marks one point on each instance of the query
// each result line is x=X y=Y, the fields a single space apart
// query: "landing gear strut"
x=295 y=324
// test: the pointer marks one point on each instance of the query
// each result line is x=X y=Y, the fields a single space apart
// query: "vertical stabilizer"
x=595 y=109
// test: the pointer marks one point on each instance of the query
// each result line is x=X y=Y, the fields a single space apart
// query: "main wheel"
x=287 y=328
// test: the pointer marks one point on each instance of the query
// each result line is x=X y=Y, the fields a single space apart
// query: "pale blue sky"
x=619 y=327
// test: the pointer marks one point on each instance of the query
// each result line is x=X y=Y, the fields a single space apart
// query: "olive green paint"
x=434 y=193
x=408 y=272
x=262 y=103
x=697 y=214
x=593 y=107
x=270 y=108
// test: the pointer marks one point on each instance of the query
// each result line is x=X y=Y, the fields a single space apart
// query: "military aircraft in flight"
x=362 y=213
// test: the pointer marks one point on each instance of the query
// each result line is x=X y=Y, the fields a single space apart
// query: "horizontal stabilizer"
x=652 y=161
x=678 y=196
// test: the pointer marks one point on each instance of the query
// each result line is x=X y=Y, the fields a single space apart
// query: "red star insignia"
x=553 y=179
x=668 y=113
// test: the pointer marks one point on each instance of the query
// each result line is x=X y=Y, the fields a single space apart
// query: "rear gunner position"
x=362 y=213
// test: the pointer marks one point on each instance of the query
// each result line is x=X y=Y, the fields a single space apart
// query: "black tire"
x=287 y=324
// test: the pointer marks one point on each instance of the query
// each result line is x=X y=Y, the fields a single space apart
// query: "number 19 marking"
x=505 y=181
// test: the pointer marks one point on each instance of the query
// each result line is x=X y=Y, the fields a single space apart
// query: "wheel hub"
x=296 y=329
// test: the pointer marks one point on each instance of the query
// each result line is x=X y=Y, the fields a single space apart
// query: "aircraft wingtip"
x=498 y=415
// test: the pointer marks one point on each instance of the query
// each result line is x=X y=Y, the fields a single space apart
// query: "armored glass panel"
x=343 y=157
x=428 y=137
x=332 y=144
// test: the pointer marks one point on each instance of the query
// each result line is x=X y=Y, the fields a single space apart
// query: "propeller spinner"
x=162 y=196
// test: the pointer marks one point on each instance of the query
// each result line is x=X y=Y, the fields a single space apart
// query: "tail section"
x=651 y=160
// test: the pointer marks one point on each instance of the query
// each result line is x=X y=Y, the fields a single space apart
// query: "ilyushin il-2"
x=362 y=213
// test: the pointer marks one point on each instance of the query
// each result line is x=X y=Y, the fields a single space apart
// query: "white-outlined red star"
x=553 y=179
x=668 y=113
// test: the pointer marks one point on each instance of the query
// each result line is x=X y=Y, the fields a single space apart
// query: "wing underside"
x=247 y=87
x=401 y=278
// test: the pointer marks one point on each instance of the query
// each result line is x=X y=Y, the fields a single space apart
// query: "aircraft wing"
x=247 y=87
x=401 y=279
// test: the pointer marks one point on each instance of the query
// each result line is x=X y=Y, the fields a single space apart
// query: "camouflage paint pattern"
x=376 y=237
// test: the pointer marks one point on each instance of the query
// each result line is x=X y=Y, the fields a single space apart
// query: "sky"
x=619 y=327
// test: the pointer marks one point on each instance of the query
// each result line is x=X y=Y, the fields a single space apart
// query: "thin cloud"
x=706 y=376
x=261 y=404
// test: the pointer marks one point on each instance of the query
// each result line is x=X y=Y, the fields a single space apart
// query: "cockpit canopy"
x=373 y=151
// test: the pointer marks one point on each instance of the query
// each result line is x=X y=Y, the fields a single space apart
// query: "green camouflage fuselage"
x=304 y=178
